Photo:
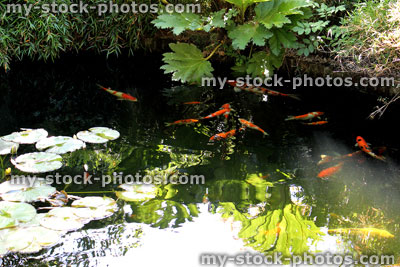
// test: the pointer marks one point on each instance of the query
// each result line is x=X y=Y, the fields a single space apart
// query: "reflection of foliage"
x=97 y=160
x=365 y=231
x=163 y=213
x=280 y=230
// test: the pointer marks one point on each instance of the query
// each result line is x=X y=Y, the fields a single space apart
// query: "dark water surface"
x=260 y=193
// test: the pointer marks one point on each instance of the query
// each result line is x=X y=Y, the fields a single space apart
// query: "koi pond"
x=296 y=189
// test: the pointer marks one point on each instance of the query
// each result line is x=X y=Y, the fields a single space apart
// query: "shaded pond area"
x=260 y=193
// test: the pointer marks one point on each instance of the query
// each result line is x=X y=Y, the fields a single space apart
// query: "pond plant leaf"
x=38 y=162
x=11 y=213
x=63 y=219
x=94 y=208
x=186 y=63
x=137 y=192
x=21 y=190
x=26 y=136
x=7 y=147
x=59 y=144
x=98 y=135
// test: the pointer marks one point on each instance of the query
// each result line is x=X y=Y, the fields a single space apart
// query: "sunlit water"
x=261 y=194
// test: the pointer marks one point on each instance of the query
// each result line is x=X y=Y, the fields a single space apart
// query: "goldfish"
x=363 y=145
x=330 y=171
x=224 y=135
x=315 y=123
x=192 y=103
x=180 y=122
x=252 y=126
x=307 y=116
x=326 y=159
x=260 y=90
x=365 y=231
x=226 y=106
x=217 y=113
x=119 y=95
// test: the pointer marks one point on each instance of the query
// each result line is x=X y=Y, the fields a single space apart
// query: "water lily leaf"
x=30 y=239
x=98 y=135
x=6 y=147
x=137 y=192
x=63 y=219
x=186 y=63
x=27 y=136
x=95 y=208
x=21 y=183
x=59 y=144
x=38 y=162
x=105 y=132
x=29 y=194
x=11 y=213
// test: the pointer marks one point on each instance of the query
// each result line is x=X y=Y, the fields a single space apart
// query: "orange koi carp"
x=330 y=171
x=363 y=145
x=193 y=103
x=260 y=90
x=119 y=95
x=225 y=135
x=327 y=159
x=307 y=116
x=218 y=113
x=315 y=123
x=181 y=122
x=252 y=126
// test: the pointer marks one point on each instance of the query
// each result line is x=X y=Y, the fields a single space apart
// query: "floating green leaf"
x=186 y=63
x=7 y=147
x=23 y=191
x=137 y=192
x=63 y=219
x=243 y=34
x=94 y=208
x=59 y=144
x=11 y=214
x=38 y=162
x=27 y=136
x=98 y=135
x=30 y=239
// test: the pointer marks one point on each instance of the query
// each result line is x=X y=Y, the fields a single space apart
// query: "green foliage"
x=186 y=63
x=270 y=28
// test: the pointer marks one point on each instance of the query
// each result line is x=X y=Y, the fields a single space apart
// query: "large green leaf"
x=275 y=13
x=26 y=136
x=178 y=21
x=243 y=34
x=186 y=63
x=243 y=4
x=282 y=37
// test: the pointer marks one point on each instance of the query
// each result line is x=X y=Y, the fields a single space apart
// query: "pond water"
x=261 y=194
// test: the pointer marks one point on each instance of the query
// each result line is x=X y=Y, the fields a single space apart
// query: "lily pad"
x=24 y=191
x=38 y=162
x=11 y=214
x=95 y=208
x=27 y=136
x=59 y=144
x=63 y=219
x=98 y=135
x=137 y=192
x=6 y=147
x=30 y=239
